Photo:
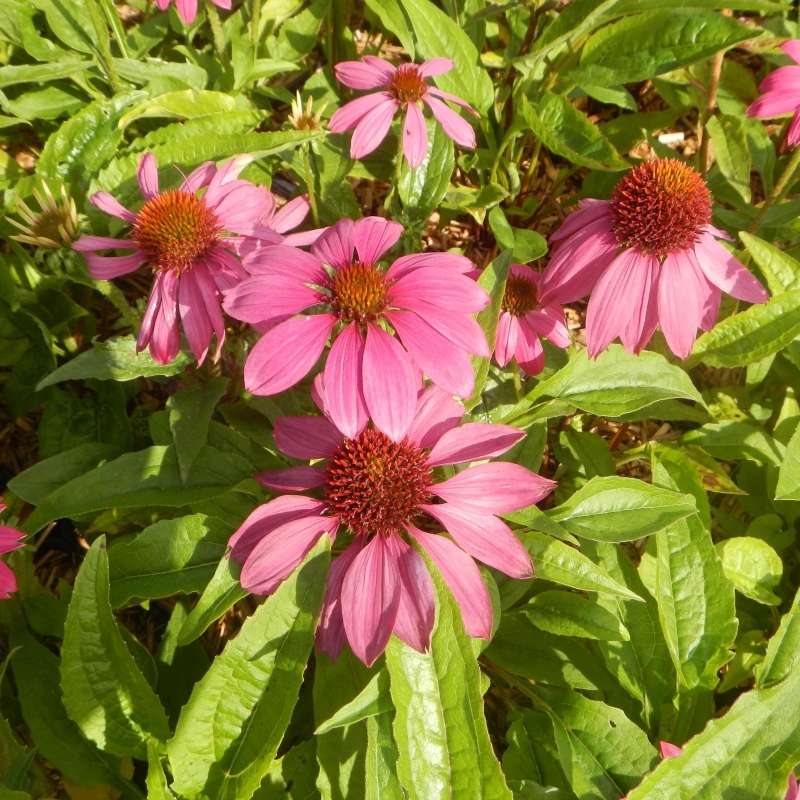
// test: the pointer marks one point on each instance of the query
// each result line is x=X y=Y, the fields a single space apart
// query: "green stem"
x=398 y=168
x=255 y=24
x=517 y=378
x=312 y=200
x=104 y=45
x=777 y=194
x=116 y=25
x=117 y=298
x=216 y=31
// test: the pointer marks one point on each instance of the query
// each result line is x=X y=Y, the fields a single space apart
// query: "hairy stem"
x=398 y=167
x=711 y=105
x=216 y=31
x=104 y=46
x=312 y=200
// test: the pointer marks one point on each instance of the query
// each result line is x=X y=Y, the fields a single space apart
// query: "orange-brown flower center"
x=175 y=229
x=376 y=485
x=521 y=295
x=661 y=206
x=407 y=85
x=359 y=292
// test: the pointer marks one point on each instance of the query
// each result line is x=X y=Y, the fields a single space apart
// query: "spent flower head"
x=306 y=119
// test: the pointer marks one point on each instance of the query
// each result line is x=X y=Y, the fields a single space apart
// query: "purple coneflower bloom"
x=9 y=540
x=782 y=93
x=187 y=9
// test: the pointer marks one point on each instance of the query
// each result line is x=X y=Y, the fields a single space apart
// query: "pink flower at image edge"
x=187 y=9
x=10 y=539
x=781 y=93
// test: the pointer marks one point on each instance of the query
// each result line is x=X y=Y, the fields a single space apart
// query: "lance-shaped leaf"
x=731 y=440
x=783 y=649
x=229 y=731
x=439 y=725
x=621 y=510
x=104 y=691
x=292 y=777
x=781 y=271
x=382 y=782
x=788 y=487
x=374 y=699
x=569 y=614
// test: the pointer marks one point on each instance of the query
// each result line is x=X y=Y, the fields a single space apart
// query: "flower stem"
x=711 y=104
x=398 y=168
x=255 y=24
x=312 y=200
x=117 y=298
x=517 y=378
x=219 y=36
x=778 y=192
x=104 y=45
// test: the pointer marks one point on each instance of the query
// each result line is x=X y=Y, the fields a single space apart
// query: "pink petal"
x=724 y=270
x=464 y=579
x=415 y=136
x=775 y=104
x=452 y=99
x=589 y=211
x=163 y=5
x=226 y=4
x=529 y=351
x=358 y=75
x=437 y=413
x=303 y=238
x=275 y=557
x=474 y=441
x=792 y=49
x=306 y=438
x=147 y=176
x=373 y=236
x=643 y=319
x=415 y=613
x=446 y=364
x=199 y=177
x=390 y=384
x=104 y=268
x=105 y=202
x=497 y=488
x=335 y=247
x=372 y=128
x=440 y=288
x=88 y=244
x=267 y=518
x=455 y=126
x=293 y=479
x=435 y=66
x=10 y=539
x=506 y=340
x=239 y=209
x=386 y=68
x=711 y=308
x=460 y=328
x=406 y=264
x=486 y=538
x=8 y=581
x=269 y=299
x=284 y=355
x=292 y=214
x=195 y=321
x=551 y=323
x=370 y=600
x=669 y=750
x=330 y=632
x=793 y=792
x=783 y=79
x=793 y=134
x=682 y=295
x=350 y=114
x=286 y=261
x=165 y=340
x=149 y=319
x=210 y=297
x=187 y=9
x=343 y=377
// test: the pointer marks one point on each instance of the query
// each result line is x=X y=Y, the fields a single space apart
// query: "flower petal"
x=486 y=538
x=406 y=264
x=415 y=136
x=774 y=104
x=460 y=328
x=187 y=9
x=269 y=299
x=287 y=261
x=589 y=211
x=370 y=600
x=335 y=247
x=165 y=339
x=415 y=614
x=529 y=350
x=10 y=539
x=783 y=79
x=292 y=479
x=306 y=438
x=105 y=268
x=350 y=114
x=105 y=202
x=474 y=442
x=291 y=215
x=194 y=318
x=792 y=49
x=506 y=339
x=373 y=236
x=725 y=271
x=343 y=379
x=149 y=319
x=452 y=99
x=437 y=412
x=8 y=581
x=682 y=296
x=454 y=125
x=551 y=323
x=435 y=66
x=359 y=75
x=372 y=128
x=87 y=244
x=147 y=176
x=440 y=288
x=199 y=177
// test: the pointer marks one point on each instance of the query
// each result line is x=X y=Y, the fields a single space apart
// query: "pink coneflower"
x=649 y=255
x=184 y=238
x=403 y=87
x=383 y=492
x=426 y=298
x=782 y=93
x=10 y=539
x=523 y=320
x=187 y=9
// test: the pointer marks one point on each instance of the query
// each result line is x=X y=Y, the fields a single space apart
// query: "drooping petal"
x=414 y=621
x=303 y=238
x=292 y=479
x=444 y=289
x=464 y=579
x=682 y=295
x=291 y=215
x=370 y=600
x=793 y=134
x=88 y=244
x=435 y=66
x=165 y=340
x=194 y=318
x=506 y=339
x=455 y=126
x=287 y=261
x=10 y=539
x=406 y=264
x=105 y=202
x=386 y=68
x=240 y=207
x=389 y=382
x=415 y=136
x=460 y=328
x=792 y=49
x=589 y=211
x=269 y=299
x=529 y=350
x=642 y=320
x=775 y=104
x=330 y=631
x=669 y=750
x=8 y=581
x=187 y=10
x=150 y=312
x=486 y=538
x=306 y=438
x=350 y=114
x=286 y=353
x=359 y=75
x=199 y=177
x=551 y=323
x=372 y=128
x=711 y=308
x=169 y=296
x=725 y=271
x=335 y=247
x=105 y=268
x=474 y=441
x=343 y=378
x=147 y=176
x=210 y=297
x=783 y=79
x=373 y=236
x=452 y=99
x=437 y=413
x=496 y=488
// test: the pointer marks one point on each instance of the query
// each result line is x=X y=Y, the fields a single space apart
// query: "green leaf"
x=621 y=510
x=788 y=487
x=751 y=336
x=185 y=104
x=439 y=725
x=114 y=360
x=640 y=47
x=373 y=699
x=39 y=73
x=567 y=132
x=747 y=753
x=293 y=776
x=170 y=557
x=104 y=692
x=696 y=600
x=394 y=20
x=730 y=440
x=157 y=787
x=781 y=270
x=190 y=412
x=382 y=782
x=493 y=280
x=11 y=750
x=729 y=138
x=148 y=477
x=436 y=35
x=753 y=566
x=568 y=614
x=783 y=649
x=229 y=731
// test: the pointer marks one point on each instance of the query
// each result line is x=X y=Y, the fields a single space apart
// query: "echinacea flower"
x=781 y=90
x=10 y=539
x=426 y=298
x=184 y=238
x=53 y=226
x=187 y=9
x=402 y=87
x=649 y=255
x=523 y=320
x=386 y=493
